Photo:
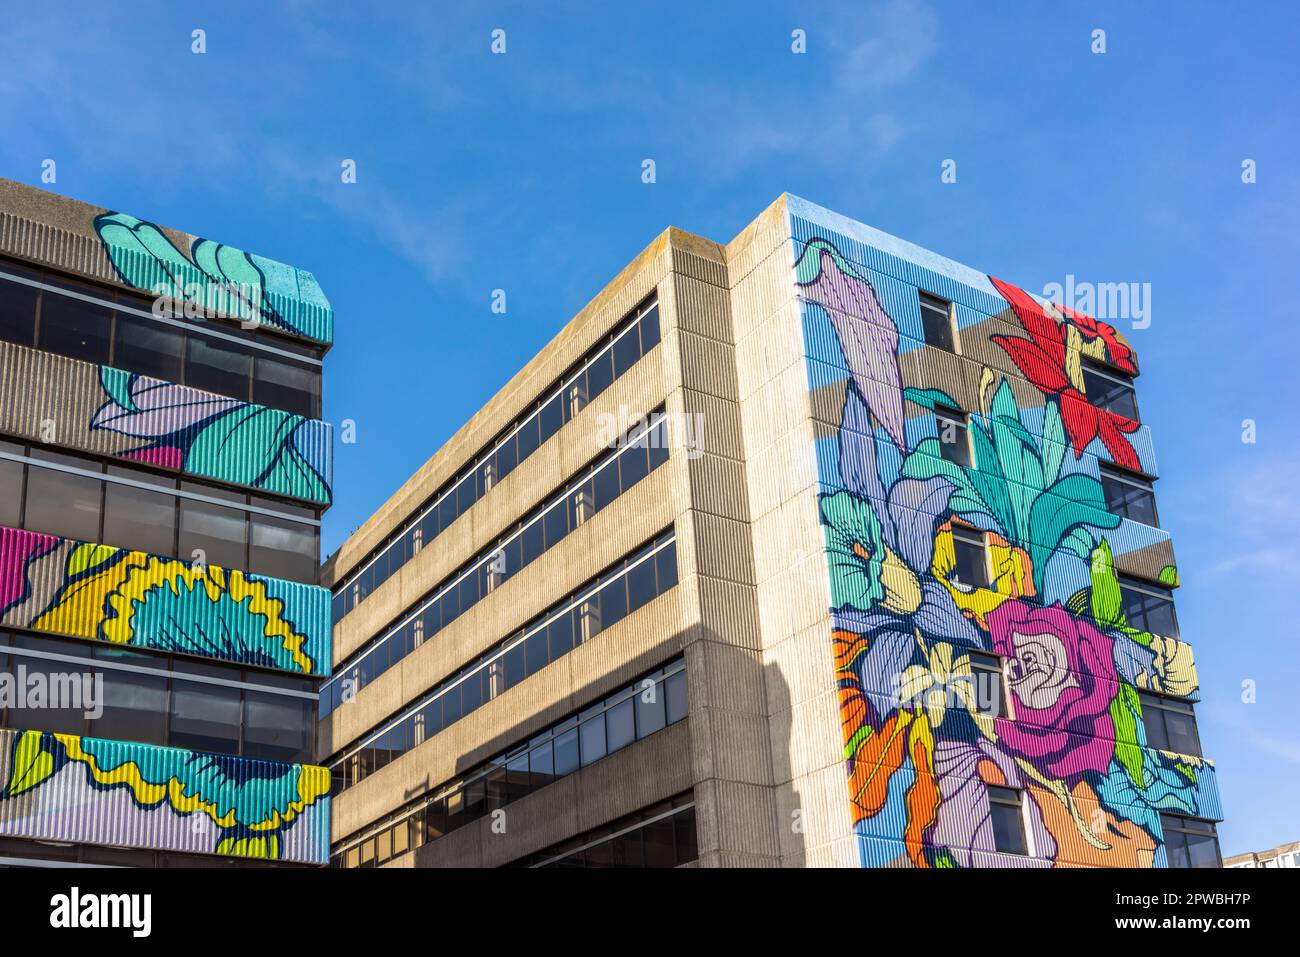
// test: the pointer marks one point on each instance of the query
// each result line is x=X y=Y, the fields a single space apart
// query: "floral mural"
x=73 y=788
x=921 y=746
x=97 y=592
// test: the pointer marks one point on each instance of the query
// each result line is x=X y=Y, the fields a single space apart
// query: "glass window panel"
x=532 y=542
x=620 y=725
x=556 y=524
x=633 y=464
x=954 y=444
x=536 y=651
x=613 y=603
x=666 y=568
x=627 y=349
x=277 y=727
x=17 y=312
x=675 y=704
x=287 y=385
x=59 y=503
x=937 y=322
x=66 y=677
x=591 y=734
x=567 y=753
x=283 y=549
x=139 y=519
x=658 y=838
x=551 y=417
x=513 y=665
x=215 y=365
x=205 y=717
x=599 y=375
x=1203 y=850
x=75 y=329
x=11 y=490
x=218 y=531
x=528 y=438
x=1110 y=392
x=560 y=635
x=605 y=485
x=541 y=764
x=135 y=708
x=649 y=329
x=650 y=709
x=971 y=567
x=149 y=347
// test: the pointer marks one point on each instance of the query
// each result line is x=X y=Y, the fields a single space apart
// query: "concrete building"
x=1284 y=855
x=814 y=548
x=163 y=469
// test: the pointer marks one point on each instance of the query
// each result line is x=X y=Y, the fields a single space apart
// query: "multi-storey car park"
x=816 y=548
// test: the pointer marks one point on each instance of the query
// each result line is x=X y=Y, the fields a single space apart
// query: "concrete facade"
x=758 y=611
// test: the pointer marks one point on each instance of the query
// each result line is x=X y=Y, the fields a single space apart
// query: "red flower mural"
x=1042 y=359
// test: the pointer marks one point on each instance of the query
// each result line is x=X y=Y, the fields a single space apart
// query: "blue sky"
x=522 y=172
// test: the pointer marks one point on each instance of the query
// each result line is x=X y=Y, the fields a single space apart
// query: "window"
x=1190 y=842
x=970 y=568
x=936 y=322
x=954 y=438
x=990 y=695
x=135 y=708
x=1008 y=820
x=215 y=365
x=282 y=549
x=62 y=503
x=218 y=532
x=1170 y=724
x=1148 y=607
x=277 y=727
x=139 y=519
x=148 y=347
x=1129 y=496
x=205 y=717
x=75 y=329
x=11 y=487
x=17 y=312
x=1109 y=391
x=287 y=385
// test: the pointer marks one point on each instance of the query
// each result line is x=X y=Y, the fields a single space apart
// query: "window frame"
x=961 y=418
x=929 y=301
x=1114 y=473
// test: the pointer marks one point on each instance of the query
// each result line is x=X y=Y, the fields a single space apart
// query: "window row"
x=1129 y=496
x=1103 y=387
x=147 y=703
x=594 y=374
x=32 y=853
x=600 y=484
x=99 y=333
x=662 y=835
x=619 y=592
x=647 y=705
x=48 y=499
x=1147 y=606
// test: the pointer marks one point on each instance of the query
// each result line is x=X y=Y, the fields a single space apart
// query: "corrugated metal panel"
x=81 y=590
x=61 y=401
x=91 y=791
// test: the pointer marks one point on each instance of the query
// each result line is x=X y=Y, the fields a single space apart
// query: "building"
x=1284 y=855
x=815 y=548
x=163 y=469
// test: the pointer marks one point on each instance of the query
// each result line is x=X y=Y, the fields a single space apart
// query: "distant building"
x=1284 y=855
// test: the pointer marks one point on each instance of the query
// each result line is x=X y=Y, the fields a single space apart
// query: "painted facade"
x=920 y=751
x=97 y=592
x=97 y=409
x=72 y=788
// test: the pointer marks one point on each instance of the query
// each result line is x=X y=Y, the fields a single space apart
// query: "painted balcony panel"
x=98 y=409
x=97 y=592
x=59 y=787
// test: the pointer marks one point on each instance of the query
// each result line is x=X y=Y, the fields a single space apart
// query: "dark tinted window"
x=936 y=321
x=1148 y=607
x=1109 y=391
x=287 y=385
x=218 y=532
x=1129 y=496
x=282 y=549
x=17 y=313
x=76 y=329
x=149 y=347
x=139 y=519
x=215 y=365
x=971 y=567
x=954 y=443
x=60 y=503
x=1007 y=820
x=205 y=717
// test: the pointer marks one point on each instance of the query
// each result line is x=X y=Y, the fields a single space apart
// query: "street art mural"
x=215 y=279
x=96 y=592
x=921 y=746
x=71 y=788
x=99 y=409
